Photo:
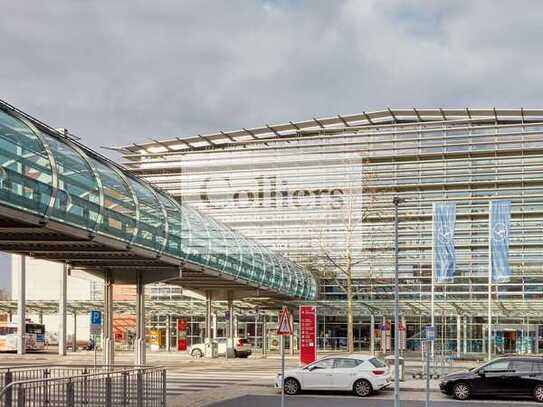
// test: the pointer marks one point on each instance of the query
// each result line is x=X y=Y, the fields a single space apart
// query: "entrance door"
x=510 y=341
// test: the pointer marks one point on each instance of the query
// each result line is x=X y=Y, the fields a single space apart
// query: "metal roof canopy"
x=379 y=118
x=152 y=307
x=61 y=201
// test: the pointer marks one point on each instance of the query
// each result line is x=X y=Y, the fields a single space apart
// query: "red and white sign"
x=284 y=325
x=308 y=334
x=181 y=335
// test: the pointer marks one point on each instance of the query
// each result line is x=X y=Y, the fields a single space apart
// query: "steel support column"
x=108 y=340
x=372 y=334
x=209 y=317
x=62 y=312
x=465 y=334
x=168 y=332
x=140 y=322
x=230 y=330
x=21 y=308
x=264 y=335
x=458 y=336
x=74 y=336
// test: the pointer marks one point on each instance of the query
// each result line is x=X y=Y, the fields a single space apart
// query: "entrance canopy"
x=61 y=201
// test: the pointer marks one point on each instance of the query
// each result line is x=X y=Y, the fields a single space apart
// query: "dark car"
x=507 y=376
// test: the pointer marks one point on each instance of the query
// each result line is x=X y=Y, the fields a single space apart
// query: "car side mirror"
x=481 y=373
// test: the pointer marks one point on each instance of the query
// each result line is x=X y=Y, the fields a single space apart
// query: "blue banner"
x=499 y=231
x=444 y=219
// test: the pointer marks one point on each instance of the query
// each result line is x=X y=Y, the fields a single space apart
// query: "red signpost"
x=308 y=334
x=181 y=335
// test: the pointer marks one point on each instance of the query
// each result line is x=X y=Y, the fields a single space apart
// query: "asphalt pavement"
x=342 y=401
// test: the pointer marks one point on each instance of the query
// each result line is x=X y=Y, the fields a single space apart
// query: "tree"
x=341 y=239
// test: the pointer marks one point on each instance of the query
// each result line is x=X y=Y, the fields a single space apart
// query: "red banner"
x=308 y=334
x=181 y=335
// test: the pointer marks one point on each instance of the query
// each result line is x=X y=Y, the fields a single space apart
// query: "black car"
x=507 y=376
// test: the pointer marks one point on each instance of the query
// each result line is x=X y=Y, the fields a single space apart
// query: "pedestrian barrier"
x=10 y=374
x=94 y=387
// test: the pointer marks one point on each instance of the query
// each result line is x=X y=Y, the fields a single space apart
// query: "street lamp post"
x=396 y=201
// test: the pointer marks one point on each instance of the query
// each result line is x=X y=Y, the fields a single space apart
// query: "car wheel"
x=461 y=391
x=362 y=388
x=197 y=354
x=291 y=386
x=538 y=393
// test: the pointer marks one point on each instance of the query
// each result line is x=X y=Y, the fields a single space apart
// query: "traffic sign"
x=96 y=317
x=430 y=333
x=95 y=322
x=284 y=325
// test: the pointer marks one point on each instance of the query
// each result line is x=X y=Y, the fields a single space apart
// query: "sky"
x=119 y=72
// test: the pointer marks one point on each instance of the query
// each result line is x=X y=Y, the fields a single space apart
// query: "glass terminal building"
x=320 y=192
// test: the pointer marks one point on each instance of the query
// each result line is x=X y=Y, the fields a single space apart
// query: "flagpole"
x=432 y=285
x=489 y=316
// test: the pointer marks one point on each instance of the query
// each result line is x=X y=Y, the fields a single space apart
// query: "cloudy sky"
x=126 y=71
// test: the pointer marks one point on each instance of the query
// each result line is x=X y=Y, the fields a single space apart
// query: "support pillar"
x=230 y=331
x=209 y=317
x=62 y=312
x=21 y=308
x=140 y=322
x=372 y=334
x=458 y=336
x=108 y=340
x=214 y=325
x=168 y=333
x=465 y=335
x=264 y=335
x=40 y=317
x=291 y=344
x=74 y=336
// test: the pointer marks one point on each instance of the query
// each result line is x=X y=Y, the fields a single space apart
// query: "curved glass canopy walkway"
x=44 y=173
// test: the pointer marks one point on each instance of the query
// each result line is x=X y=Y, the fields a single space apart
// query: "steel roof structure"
x=357 y=121
x=63 y=202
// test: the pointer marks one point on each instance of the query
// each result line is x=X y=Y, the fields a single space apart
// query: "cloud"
x=121 y=72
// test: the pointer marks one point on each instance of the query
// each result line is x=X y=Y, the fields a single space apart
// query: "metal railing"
x=13 y=373
x=139 y=387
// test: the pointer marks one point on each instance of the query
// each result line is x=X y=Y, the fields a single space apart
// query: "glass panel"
x=119 y=212
x=151 y=222
x=175 y=220
x=78 y=199
x=27 y=177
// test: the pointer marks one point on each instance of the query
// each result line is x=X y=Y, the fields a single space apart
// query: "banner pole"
x=432 y=285
x=489 y=316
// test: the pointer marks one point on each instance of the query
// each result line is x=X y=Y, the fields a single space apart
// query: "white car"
x=242 y=348
x=361 y=374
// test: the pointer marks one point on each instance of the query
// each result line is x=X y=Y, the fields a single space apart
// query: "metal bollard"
x=8 y=378
x=164 y=388
x=21 y=397
x=139 y=389
x=70 y=394
x=125 y=389
x=108 y=391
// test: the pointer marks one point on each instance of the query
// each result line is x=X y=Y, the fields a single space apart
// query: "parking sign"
x=96 y=322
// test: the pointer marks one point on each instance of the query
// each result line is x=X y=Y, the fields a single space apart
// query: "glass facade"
x=321 y=194
x=45 y=173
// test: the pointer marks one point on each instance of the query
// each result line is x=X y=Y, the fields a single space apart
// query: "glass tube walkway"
x=49 y=175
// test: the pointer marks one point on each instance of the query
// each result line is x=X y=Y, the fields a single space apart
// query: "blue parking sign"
x=96 y=318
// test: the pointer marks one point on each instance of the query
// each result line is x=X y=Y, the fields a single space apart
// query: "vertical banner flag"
x=308 y=334
x=444 y=219
x=499 y=230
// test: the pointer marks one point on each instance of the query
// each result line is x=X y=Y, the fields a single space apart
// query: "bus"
x=34 y=337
